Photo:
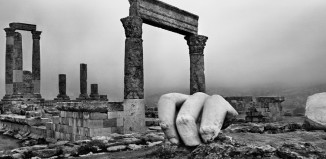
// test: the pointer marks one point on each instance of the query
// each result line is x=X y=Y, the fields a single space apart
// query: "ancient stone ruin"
x=92 y=114
x=22 y=85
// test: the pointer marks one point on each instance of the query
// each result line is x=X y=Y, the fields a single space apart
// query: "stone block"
x=50 y=134
x=71 y=121
x=53 y=127
x=63 y=114
x=97 y=116
x=56 y=119
x=62 y=136
x=75 y=115
x=62 y=128
x=110 y=123
x=48 y=125
x=85 y=115
x=57 y=135
x=92 y=132
x=134 y=120
x=80 y=122
x=94 y=123
x=80 y=115
x=112 y=115
x=57 y=127
x=69 y=114
x=120 y=121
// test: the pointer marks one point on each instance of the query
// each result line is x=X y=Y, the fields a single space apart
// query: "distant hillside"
x=294 y=96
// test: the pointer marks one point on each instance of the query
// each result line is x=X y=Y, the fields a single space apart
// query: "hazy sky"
x=251 y=42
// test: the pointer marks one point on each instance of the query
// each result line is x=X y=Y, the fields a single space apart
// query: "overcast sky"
x=251 y=43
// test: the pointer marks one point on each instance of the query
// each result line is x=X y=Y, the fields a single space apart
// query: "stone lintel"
x=165 y=16
x=22 y=26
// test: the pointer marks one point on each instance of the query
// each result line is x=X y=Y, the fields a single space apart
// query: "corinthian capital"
x=196 y=43
x=9 y=31
x=132 y=26
x=36 y=34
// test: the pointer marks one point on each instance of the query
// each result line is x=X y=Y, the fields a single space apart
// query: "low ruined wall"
x=83 y=120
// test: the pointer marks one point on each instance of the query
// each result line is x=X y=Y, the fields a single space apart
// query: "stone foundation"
x=84 y=120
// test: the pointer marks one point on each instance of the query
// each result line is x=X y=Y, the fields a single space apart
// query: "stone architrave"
x=196 y=45
x=9 y=61
x=36 y=62
x=83 y=82
x=134 y=75
x=62 y=88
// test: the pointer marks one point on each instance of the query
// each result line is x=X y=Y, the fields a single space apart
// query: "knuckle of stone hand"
x=184 y=119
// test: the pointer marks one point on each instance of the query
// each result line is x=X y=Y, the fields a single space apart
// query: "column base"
x=134 y=119
x=62 y=97
x=83 y=97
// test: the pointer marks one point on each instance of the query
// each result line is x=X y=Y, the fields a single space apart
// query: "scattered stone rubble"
x=44 y=148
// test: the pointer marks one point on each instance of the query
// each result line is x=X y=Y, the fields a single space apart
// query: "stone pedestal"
x=133 y=73
x=62 y=88
x=196 y=45
x=94 y=92
x=83 y=82
x=134 y=119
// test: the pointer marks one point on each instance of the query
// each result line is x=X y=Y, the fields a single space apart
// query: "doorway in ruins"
x=166 y=63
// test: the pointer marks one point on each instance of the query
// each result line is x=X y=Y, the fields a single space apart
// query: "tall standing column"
x=134 y=105
x=196 y=45
x=9 y=61
x=36 y=62
x=18 y=86
x=134 y=75
x=83 y=82
x=62 y=88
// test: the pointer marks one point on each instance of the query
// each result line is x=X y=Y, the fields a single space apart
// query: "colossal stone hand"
x=180 y=116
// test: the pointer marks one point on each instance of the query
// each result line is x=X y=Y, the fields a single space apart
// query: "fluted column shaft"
x=9 y=60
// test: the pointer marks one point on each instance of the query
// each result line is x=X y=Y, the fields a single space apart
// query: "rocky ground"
x=245 y=140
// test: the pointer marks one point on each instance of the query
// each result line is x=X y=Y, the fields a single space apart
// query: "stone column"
x=36 y=62
x=18 y=65
x=62 y=88
x=9 y=61
x=94 y=92
x=196 y=45
x=134 y=105
x=83 y=82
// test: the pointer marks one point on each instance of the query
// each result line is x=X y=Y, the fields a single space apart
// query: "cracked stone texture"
x=196 y=45
x=83 y=81
x=9 y=55
x=36 y=61
x=134 y=75
x=18 y=52
x=62 y=88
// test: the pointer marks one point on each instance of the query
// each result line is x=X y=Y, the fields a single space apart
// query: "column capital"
x=196 y=43
x=132 y=26
x=36 y=34
x=9 y=31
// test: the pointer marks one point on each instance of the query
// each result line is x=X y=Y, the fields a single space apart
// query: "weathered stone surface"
x=94 y=92
x=164 y=16
x=62 y=88
x=9 y=54
x=316 y=110
x=18 y=52
x=134 y=120
x=196 y=45
x=83 y=81
x=23 y=26
x=134 y=75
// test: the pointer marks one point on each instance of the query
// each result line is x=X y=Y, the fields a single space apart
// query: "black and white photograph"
x=163 y=79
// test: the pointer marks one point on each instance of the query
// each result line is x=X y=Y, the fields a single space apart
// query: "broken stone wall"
x=84 y=120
